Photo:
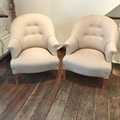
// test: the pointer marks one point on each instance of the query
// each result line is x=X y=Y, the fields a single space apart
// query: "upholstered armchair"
x=33 y=45
x=90 y=47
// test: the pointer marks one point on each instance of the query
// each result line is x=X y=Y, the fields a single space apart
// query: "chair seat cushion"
x=88 y=62
x=34 y=60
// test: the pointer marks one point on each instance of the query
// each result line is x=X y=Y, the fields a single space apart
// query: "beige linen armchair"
x=33 y=44
x=90 y=47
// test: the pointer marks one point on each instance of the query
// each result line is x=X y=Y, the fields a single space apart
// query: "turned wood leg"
x=104 y=83
x=16 y=79
x=64 y=74
x=55 y=73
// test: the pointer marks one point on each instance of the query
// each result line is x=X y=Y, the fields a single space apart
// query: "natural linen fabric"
x=91 y=45
x=33 y=44
x=88 y=62
x=36 y=59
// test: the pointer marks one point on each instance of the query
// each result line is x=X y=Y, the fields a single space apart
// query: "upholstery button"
x=25 y=34
x=99 y=26
x=28 y=25
x=36 y=25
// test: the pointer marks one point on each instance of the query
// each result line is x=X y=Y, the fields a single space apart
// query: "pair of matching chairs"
x=89 y=49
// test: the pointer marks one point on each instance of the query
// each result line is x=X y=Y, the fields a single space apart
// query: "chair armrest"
x=52 y=44
x=71 y=45
x=15 y=47
x=110 y=50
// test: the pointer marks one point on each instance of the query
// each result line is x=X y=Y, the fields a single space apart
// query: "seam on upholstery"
x=117 y=36
x=48 y=39
x=76 y=39
x=18 y=40
x=51 y=35
x=107 y=44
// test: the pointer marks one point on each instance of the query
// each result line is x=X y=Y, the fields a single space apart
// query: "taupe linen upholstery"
x=33 y=44
x=91 y=45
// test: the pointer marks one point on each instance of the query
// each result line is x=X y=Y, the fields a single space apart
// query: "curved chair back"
x=33 y=30
x=95 y=31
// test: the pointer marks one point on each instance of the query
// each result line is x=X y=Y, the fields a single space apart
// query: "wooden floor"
x=42 y=97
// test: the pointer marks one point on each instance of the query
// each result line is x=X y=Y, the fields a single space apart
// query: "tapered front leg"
x=16 y=78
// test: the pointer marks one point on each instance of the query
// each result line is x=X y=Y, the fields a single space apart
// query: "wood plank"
x=6 y=86
x=16 y=105
x=5 y=75
x=101 y=104
x=2 y=79
x=47 y=100
x=56 y=99
x=2 y=70
x=4 y=64
x=11 y=94
x=33 y=101
x=86 y=106
x=113 y=98
x=61 y=98
x=72 y=105
x=7 y=72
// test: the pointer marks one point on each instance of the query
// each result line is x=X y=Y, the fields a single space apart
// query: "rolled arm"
x=71 y=45
x=53 y=44
x=110 y=50
x=15 y=47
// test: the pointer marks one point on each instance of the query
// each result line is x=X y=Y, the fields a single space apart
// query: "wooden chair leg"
x=104 y=83
x=64 y=74
x=55 y=73
x=16 y=79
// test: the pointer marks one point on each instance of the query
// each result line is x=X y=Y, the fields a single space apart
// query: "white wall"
x=64 y=13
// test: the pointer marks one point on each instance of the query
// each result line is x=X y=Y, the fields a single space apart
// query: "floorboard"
x=43 y=96
x=114 y=98
x=9 y=114
x=32 y=102
x=86 y=108
x=60 y=100
x=101 y=103
x=47 y=99
x=12 y=93
x=71 y=109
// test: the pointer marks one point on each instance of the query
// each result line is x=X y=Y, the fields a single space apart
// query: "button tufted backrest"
x=32 y=30
x=95 y=31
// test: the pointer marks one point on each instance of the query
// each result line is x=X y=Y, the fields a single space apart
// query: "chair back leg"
x=104 y=83
x=64 y=74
